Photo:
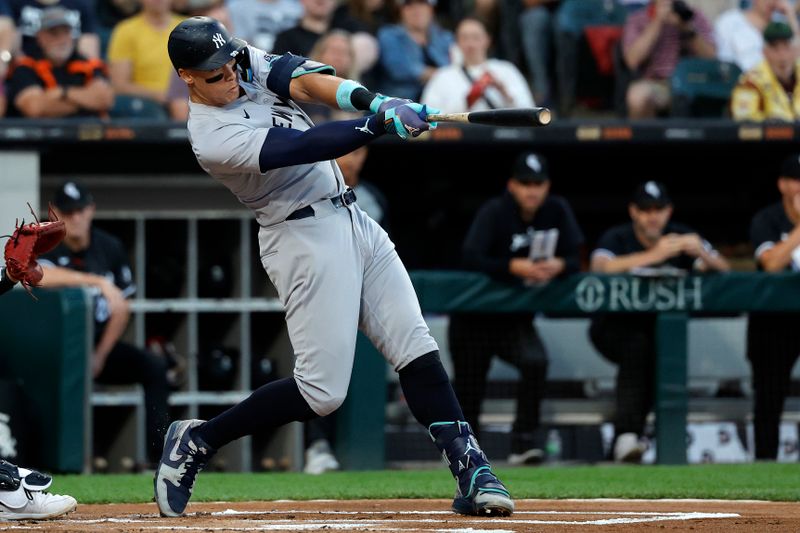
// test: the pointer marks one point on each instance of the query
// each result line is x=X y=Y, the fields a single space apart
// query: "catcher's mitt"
x=27 y=243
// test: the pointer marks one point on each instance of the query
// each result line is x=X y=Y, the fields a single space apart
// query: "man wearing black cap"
x=770 y=90
x=57 y=81
x=89 y=256
x=773 y=342
x=650 y=240
x=526 y=236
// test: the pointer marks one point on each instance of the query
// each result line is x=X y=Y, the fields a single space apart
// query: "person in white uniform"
x=334 y=268
x=479 y=83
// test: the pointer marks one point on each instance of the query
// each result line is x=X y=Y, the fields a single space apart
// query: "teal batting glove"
x=407 y=120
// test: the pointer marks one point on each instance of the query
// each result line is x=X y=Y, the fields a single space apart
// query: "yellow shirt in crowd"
x=759 y=96
x=137 y=41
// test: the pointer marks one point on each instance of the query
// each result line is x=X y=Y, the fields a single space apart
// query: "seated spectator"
x=371 y=14
x=27 y=16
x=8 y=39
x=480 y=83
x=90 y=257
x=260 y=21
x=739 y=32
x=771 y=89
x=109 y=14
x=137 y=62
x=526 y=236
x=178 y=99
x=571 y=20
x=57 y=81
x=318 y=19
x=412 y=50
x=654 y=40
x=773 y=342
x=650 y=240
x=335 y=49
x=216 y=9
x=536 y=35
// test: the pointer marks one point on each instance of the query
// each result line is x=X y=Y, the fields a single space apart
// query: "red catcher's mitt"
x=27 y=243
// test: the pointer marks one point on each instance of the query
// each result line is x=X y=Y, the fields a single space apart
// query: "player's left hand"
x=408 y=120
x=382 y=102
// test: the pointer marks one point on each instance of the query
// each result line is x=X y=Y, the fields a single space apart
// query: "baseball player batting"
x=334 y=268
x=23 y=492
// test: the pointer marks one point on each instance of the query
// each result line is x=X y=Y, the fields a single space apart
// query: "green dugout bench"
x=46 y=345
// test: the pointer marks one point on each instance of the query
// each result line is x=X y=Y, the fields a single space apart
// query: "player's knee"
x=328 y=404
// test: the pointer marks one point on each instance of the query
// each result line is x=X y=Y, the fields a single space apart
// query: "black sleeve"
x=22 y=78
x=343 y=21
x=478 y=243
x=282 y=43
x=123 y=277
x=5 y=283
x=570 y=240
x=610 y=241
x=761 y=231
x=100 y=73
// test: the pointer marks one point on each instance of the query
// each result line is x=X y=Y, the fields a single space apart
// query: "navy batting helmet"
x=202 y=43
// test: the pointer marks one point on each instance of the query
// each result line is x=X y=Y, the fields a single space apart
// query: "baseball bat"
x=526 y=117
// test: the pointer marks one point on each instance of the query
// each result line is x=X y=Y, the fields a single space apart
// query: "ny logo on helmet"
x=218 y=39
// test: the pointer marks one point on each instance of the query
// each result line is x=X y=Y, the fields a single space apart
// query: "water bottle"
x=553 y=446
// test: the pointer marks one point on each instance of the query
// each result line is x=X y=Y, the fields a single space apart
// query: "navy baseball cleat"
x=478 y=491
x=184 y=456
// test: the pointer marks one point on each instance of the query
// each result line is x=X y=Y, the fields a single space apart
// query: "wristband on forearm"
x=352 y=96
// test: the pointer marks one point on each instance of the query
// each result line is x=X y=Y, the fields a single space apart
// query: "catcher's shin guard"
x=478 y=491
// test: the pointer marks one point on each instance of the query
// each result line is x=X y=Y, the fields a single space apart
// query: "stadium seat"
x=702 y=87
x=134 y=107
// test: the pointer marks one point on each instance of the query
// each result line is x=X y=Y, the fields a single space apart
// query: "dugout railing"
x=673 y=299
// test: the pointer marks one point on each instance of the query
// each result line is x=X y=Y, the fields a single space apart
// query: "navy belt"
x=343 y=200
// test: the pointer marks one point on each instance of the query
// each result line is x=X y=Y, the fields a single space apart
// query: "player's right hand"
x=408 y=120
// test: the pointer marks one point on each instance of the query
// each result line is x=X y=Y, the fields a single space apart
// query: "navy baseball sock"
x=270 y=406
x=428 y=391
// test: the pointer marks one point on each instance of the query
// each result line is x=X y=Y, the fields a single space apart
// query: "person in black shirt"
x=528 y=237
x=318 y=18
x=650 y=240
x=773 y=340
x=91 y=257
x=56 y=81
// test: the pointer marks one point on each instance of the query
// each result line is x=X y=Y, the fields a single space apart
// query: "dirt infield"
x=432 y=515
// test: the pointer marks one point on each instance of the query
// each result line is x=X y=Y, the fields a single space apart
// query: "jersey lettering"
x=281 y=118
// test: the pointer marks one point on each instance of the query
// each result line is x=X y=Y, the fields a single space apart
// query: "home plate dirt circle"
x=434 y=515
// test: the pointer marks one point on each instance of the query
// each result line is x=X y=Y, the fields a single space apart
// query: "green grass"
x=752 y=481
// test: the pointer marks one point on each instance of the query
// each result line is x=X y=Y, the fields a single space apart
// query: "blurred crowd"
x=629 y=58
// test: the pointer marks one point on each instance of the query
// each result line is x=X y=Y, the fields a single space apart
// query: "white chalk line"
x=383 y=525
x=233 y=512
